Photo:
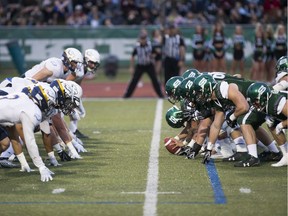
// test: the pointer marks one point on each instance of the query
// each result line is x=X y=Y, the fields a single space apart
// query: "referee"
x=173 y=51
x=143 y=50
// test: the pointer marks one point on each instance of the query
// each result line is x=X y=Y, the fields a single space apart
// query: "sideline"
x=150 y=203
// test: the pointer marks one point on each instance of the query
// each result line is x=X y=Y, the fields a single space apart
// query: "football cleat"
x=80 y=135
x=251 y=161
x=238 y=156
x=5 y=163
x=282 y=162
x=270 y=156
x=184 y=150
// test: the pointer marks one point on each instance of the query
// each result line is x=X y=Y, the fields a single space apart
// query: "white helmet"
x=69 y=95
x=91 y=60
x=42 y=95
x=72 y=55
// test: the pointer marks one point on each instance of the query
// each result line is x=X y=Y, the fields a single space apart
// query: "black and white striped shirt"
x=144 y=53
x=171 y=46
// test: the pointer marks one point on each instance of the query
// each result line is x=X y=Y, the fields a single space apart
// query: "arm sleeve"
x=28 y=130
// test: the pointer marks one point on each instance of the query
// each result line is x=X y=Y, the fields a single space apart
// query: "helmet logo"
x=261 y=90
x=202 y=82
x=173 y=119
x=176 y=83
x=189 y=84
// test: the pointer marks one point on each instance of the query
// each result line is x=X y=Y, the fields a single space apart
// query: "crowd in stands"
x=96 y=13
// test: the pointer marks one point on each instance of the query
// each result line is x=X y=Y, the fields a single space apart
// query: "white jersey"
x=12 y=105
x=18 y=108
x=52 y=64
x=16 y=84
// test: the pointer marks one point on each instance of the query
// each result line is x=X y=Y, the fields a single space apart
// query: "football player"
x=275 y=105
x=230 y=98
x=281 y=74
x=91 y=64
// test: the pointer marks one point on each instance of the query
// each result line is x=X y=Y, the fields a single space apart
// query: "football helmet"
x=170 y=88
x=91 y=60
x=281 y=68
x=258 y=95
x=174 y=117
x=68 y=94
x=183 y=90
x=202 y=88
x=71 y=58
x=43 y=96
x=191 y=73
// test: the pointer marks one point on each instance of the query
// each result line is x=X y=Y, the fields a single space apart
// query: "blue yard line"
x=219 y=196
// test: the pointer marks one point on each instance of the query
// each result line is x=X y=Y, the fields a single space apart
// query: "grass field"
x=112 y=178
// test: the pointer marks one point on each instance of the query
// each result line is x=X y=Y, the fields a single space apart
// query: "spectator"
x=259 y=53
x=238 y=51
x=199 y=44
x=77 y=18
x=280 y=42
x=218 y=47
x=270 y=62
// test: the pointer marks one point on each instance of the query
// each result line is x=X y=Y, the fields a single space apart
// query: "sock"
x=57 y=147
x=252 y=150
x=8 y=152
x=272 y=147
x=240 y=144
x=259 y=143
x=73 y=125
x=196 y=148
x=51 y=154
x=191 y=143
x=284 y=149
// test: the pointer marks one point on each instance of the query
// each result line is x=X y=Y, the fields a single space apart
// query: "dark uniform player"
x=143 y=50
x=230 y=98
x=174 y=53
x=275 y=105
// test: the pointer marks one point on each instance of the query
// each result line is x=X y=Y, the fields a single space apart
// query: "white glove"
x=54 y=162
x=72 y=151
x=77 y=146
x=46 y=174
x=269 y=121
x=26 y=168
x=279 y=128
x=73 y=136
x=75 y=115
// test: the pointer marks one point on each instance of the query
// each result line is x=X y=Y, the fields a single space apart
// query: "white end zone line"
x=150 y=203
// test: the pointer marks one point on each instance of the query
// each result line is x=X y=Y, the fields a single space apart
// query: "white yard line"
x=150 y=203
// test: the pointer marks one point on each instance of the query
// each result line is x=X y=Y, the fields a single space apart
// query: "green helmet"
x=174 y=117
x=170 y=88
x=258 y=94
x=191 y=73
x=183 y=90
x=203 y=88
x=281 y=68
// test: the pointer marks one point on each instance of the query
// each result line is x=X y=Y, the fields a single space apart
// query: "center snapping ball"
x=171 y=146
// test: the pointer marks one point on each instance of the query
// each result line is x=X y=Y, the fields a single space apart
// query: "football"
x=171 y=146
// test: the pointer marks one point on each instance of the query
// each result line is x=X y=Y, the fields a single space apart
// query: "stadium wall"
x=39 y=43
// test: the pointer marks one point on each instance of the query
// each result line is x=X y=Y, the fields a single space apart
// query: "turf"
x=112 y=176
